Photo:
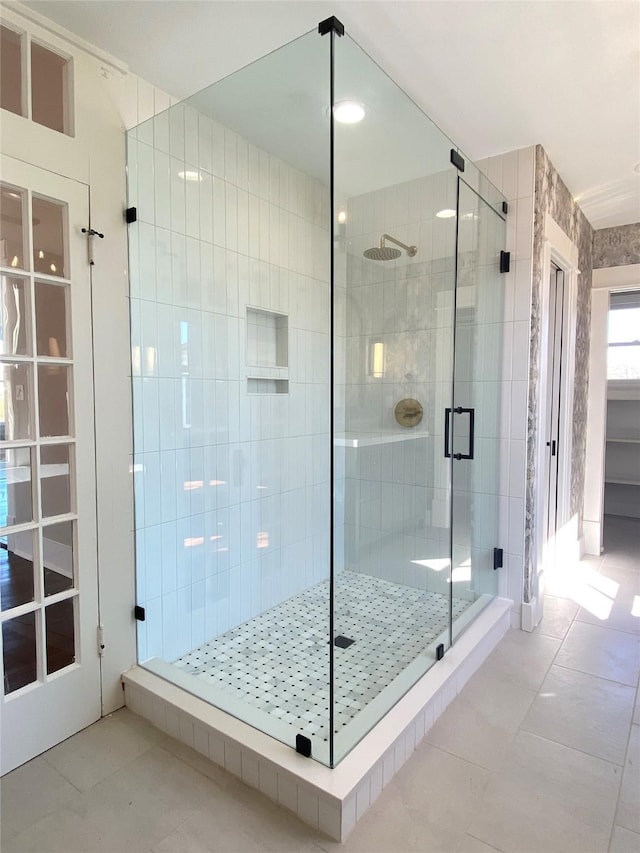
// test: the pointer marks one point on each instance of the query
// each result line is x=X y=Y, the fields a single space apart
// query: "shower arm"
x=410 y=250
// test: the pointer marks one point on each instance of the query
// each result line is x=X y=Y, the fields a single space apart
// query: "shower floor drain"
x=343 y=642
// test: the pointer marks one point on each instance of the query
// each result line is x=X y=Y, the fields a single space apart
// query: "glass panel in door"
x=393 y=296
x=473 y=424
x=48 y=577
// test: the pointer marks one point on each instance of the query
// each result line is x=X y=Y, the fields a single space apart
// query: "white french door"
x=48 y=553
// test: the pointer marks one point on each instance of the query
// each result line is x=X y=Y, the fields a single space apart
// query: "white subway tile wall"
x=513 y=174
x=231 y=484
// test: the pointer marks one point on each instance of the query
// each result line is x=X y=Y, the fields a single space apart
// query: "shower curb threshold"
x=332 y=801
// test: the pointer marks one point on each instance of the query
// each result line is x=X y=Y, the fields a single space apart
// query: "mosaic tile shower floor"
x=278 y=662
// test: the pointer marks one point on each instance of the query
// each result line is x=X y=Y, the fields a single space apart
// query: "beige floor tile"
x=548 y=798
x=624 y=841
x=391 y=826
x=98 y=751
x=133 y=809
x=474 y=845
x=427 y=806
x=30 y=793
x=243 y=822
x=559 y=613
x=615 y=608
x=108 y=817
x=600 y=651
x=621 y=542
x=483 y=719
x=583 y=712
x=523 y=659
x=572 y=581
x=628 y=814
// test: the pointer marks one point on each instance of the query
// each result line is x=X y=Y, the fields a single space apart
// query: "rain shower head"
x=382 y=253
x=386 y=253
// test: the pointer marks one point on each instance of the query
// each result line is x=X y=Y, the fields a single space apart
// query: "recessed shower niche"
x=311 y=257
x=267 y=351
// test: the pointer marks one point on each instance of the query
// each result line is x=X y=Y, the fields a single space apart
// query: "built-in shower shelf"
x=374 y=440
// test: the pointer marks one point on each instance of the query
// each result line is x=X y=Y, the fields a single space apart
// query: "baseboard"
x=531 y=614
x=329 y=800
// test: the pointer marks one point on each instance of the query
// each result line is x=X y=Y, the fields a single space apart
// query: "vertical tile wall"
x=231 y=487
x=513 y=175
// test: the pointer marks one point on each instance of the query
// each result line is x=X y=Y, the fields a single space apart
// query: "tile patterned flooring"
x=540 y=753
x=280 y=659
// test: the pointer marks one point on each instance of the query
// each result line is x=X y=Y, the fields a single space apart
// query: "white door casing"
x=57 y=704
x=564 y=253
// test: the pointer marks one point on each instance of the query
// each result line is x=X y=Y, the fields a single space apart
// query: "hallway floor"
x=539 y=754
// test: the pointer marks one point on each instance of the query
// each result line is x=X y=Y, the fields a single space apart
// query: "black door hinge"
x=505 y=207
x=505 y=261
x=457 y=160
x=440 y=651
x=498 y=558
x=131 y=215
x=139 y=613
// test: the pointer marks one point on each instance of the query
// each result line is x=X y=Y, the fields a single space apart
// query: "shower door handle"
x=447 y=430
x=459 y=410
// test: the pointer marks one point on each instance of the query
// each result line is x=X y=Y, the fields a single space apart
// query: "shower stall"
x=316 y=315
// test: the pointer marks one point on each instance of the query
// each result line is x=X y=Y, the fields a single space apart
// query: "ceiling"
x=493 y=75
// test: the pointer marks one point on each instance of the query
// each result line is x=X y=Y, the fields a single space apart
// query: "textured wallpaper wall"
x=553 y=197
x=616 y=247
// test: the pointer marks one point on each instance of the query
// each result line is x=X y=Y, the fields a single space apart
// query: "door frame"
x=106 y=98
x=605 y=282
x=560 y=250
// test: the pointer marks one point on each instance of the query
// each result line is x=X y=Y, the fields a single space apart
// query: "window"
x=28 y=66
x=11 y=88
x=623 y=360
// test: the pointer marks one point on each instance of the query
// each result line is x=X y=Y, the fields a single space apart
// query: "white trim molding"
x=558 y=248
x=604 y=282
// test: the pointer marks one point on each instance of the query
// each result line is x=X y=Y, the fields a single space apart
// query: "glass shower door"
x=472 y=426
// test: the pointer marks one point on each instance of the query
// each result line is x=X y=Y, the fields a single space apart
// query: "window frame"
x=26 y=95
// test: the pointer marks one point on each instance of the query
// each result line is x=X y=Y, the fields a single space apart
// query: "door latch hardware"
x=91 y=233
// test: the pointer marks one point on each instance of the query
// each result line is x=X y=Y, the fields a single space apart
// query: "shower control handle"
x=459 y=410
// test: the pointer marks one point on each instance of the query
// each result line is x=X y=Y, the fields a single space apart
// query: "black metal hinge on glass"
x=505 y=207
x=505 y=261
x=440 y=651
x=131 y=215
x=498 y=558
x=331 y=25
x=552 y=445
x=459 y=410
x=303 y=745
x=457 y=160
x=139 y=613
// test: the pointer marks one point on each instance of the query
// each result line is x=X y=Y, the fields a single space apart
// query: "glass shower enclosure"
x=316 y=309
